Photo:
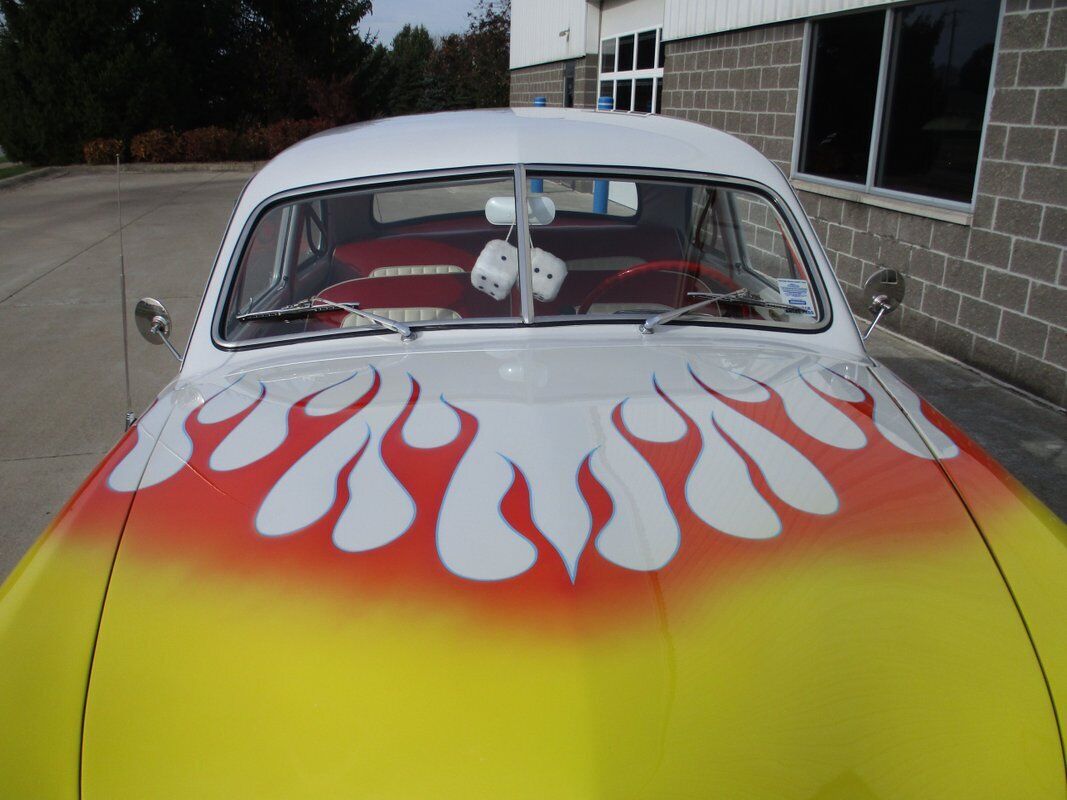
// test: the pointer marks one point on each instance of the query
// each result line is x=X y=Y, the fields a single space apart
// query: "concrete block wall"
x=547 y=80
x=991 y=292
x=743 y=82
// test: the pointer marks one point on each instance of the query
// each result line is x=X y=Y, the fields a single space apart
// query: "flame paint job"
x=419 y=586
x=659 y=420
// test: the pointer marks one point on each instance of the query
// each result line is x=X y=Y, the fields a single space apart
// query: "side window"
x=261 y=266
x=761 y=238
x=312 y=221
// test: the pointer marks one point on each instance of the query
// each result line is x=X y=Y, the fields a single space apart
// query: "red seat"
x=362 y=258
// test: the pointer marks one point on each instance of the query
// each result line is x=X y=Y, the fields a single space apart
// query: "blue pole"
x=600 y=187
x=537 y=185
x=600 y=196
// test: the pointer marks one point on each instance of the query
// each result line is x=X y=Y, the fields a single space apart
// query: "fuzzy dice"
x=548 y=275
x=496 y=269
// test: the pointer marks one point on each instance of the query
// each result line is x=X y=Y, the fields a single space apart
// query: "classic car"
x=535 y=453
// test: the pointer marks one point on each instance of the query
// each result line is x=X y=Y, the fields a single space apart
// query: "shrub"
x=287 y=132
x=156 y=146
x=280 y=135
x=208 y=144
x=315 y=125
x=252 y=143
x=102 y=151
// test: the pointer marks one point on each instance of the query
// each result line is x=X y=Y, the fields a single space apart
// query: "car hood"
x=570 y=571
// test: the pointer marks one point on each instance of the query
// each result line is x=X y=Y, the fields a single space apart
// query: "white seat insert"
x=414 y=269
x=407 y=314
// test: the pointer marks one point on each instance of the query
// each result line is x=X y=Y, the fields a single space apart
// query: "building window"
x=631 y=71
x=895 y=100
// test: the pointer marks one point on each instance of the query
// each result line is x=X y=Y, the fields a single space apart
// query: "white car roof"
x=461 y=140
x=505 y=136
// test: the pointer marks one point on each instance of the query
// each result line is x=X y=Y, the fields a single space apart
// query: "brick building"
x=926 y=136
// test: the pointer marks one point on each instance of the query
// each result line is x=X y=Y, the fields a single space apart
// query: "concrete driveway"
x=62 y=393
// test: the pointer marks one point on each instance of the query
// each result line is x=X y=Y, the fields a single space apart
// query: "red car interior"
x=457 y=243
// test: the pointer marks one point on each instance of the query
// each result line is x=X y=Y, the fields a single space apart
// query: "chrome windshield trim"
x=522 y=220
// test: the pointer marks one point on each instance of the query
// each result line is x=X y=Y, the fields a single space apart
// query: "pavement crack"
x=48 y=458
x=123 y=226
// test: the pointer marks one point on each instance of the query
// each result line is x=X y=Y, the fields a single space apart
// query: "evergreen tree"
x=409 y=60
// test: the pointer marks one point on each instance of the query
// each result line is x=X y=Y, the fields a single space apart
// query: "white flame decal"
x=541 y=428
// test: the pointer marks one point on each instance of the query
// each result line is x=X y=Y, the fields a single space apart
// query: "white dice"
x=548 y=275
x=496 y=269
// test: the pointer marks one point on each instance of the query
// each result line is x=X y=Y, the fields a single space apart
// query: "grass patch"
x=13 y=169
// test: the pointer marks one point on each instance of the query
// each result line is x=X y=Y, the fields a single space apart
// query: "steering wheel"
x=701 y=272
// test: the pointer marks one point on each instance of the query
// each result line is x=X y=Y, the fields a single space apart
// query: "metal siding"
x=626 y=16
x=535 y=27
x=683 y=18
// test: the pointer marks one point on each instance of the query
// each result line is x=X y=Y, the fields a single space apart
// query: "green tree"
x=488 y=42
x=470 y=69
x=313 y=49
x=73 y=70
x=410 y=55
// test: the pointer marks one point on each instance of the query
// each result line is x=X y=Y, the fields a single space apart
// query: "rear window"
x=415 y=203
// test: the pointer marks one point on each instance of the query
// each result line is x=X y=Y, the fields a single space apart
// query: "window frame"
x=527 y=319
x=632 y=75
x=879 y=122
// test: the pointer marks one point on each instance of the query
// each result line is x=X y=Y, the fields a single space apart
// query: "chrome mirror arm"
x=887 y=292
x=161 y=328
x=880 y=306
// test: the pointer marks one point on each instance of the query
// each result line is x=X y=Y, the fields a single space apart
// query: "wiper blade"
x=741 y=296
x=316 y=305
x=745 y=298
x=650 y=324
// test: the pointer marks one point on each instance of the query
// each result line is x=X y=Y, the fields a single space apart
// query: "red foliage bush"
x=208 y=144
x=102 y=151
x=287 y=132
x=257 y=143
x=252 y=143
x=156 y=146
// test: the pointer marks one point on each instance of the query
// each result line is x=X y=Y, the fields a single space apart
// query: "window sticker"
x=796 y=292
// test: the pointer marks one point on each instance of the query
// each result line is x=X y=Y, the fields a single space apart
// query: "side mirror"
x=153 y=322
x=886 y=288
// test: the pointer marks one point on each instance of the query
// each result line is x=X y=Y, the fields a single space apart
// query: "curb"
x=27 y=177
x=140 y=166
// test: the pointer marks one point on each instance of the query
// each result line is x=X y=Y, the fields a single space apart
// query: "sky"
x=439 y=17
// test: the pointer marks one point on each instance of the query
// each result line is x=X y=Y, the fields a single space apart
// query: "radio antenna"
x=130 y=416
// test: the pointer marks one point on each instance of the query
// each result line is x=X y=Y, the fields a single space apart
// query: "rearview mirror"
x=153 y=322
x=540 y=210
x=886 y=290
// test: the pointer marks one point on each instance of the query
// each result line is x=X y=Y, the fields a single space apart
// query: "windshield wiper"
x=741 y=296
x=751 y=300
x=653 y=322
x=316 y=305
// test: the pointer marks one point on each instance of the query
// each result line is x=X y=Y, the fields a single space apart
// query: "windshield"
x=678 y=242
x=447 y=252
